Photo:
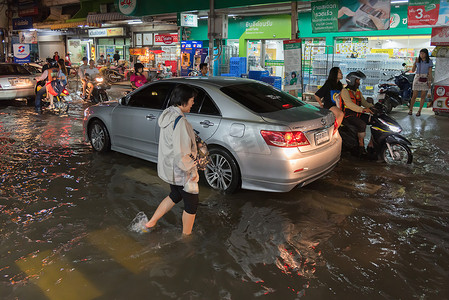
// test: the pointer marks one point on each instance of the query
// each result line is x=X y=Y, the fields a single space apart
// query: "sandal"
x=418 y=113
x=410 y=113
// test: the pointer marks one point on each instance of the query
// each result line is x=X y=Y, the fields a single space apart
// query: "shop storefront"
x=375 y=52
x=259 y=39
x=109 y=40
x=160 y=48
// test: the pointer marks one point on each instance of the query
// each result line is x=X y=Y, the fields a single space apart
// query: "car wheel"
x=99 y=136
x=222 y=173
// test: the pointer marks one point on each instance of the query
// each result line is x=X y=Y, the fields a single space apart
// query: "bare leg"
x=423 y=99
x=187 y=222
x=161 y=210
x=339 y=115
x=412 y=101
x=361 y=136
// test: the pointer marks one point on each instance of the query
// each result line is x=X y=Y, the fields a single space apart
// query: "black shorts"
x=358 y=122
x=190 y=200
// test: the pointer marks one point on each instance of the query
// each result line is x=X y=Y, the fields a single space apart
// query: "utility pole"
x=211 y=36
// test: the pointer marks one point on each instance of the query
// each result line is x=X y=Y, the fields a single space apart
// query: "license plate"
x=321 y=137
x=381 y=97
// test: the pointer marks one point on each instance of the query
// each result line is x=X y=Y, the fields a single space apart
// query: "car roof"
x=215 y=81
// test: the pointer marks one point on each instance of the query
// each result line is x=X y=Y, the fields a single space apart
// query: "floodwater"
x=366 y=231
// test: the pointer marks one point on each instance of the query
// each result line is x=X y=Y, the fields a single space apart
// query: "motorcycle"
x=116 y=74
x=388 y=144
x=392 y=95
x=99 y=89
x=60 y=101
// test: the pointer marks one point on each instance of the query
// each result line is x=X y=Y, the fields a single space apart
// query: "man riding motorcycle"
x=354 y=107
x=89 y=74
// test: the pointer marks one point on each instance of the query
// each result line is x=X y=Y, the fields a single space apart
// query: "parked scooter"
x=115 y=74
x=388 y=144
x=392 y=95
x=99 y=89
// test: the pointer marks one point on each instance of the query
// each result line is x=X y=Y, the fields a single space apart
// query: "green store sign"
x=274 y=63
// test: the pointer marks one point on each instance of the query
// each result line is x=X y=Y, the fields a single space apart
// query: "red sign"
x=31 y=11
x=441 y=98
x=419 y=17
x=440 y=36
x=166 y=39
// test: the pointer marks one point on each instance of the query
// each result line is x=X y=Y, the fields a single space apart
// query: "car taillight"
x=335 y=127
x=285 y=139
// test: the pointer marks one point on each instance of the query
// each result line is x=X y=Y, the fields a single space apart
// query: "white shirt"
x=92 y=72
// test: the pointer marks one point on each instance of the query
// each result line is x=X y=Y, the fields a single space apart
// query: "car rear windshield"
x=12 y=69
x=261 y=98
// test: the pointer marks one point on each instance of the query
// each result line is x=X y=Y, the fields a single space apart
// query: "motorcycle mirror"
x=404 y=64
x=370 y=100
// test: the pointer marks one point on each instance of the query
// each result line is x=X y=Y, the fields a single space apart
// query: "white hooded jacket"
x=176 y=146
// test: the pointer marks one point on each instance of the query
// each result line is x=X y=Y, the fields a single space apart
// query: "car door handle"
x=206 y=123
x=151 y=117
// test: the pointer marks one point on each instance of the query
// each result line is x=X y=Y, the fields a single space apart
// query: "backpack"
x=55 y=87
x=202 y=158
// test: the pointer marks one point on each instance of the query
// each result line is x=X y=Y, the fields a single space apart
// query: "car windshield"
x=261 y=98
x=13 y=69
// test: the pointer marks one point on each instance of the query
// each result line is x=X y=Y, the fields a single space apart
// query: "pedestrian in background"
x=116 y=57
x=423 y=79
x=176 y=160
x=327 y=96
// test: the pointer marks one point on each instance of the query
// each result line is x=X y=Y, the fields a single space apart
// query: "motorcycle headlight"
x=392 y=127
x=99 y=79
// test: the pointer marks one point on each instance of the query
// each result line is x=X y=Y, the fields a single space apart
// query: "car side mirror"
x=122 y=101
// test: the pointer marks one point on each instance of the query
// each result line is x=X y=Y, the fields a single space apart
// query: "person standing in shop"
x=423 y=79
x=116 y=57
x=327 y=95
x=203 y=69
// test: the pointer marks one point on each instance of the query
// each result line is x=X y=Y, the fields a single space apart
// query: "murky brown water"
x=366 y=231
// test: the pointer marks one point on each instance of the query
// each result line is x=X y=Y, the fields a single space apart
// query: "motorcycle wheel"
x=103 y=96
x=388 y=106
x=400 y=154
x=111 y=77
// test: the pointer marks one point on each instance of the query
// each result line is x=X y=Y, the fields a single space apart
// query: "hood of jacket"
x=169 y=115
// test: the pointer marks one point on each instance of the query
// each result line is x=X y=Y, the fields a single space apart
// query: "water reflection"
x=367 y=230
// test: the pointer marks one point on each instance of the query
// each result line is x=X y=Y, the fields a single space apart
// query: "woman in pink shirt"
x=138 y=79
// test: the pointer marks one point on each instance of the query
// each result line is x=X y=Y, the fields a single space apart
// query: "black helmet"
x=137 y=66
x=351 y=77
x=54 y=64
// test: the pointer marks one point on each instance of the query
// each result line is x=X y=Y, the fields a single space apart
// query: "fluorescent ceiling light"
x=399 y=1
x=135 y=22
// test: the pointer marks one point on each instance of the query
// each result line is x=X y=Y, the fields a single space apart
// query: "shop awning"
x=113 y=16
x=157 y=51
x=74 y=24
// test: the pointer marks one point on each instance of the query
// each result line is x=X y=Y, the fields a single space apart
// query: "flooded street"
x=365 y=231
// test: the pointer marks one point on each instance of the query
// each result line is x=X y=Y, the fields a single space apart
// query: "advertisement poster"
x=441 y=98
x=28 y=37
x=440 y=37
x=21 y=53
x=423 y=13
x=350 y=15
x=292 y=63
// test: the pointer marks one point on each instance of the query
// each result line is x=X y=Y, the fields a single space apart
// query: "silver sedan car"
x=259 y=138
x=15 y=82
